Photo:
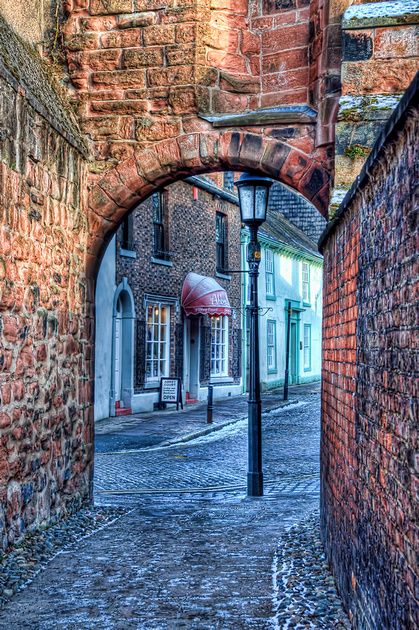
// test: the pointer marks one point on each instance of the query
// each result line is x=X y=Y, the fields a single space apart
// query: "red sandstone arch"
x=135 y=178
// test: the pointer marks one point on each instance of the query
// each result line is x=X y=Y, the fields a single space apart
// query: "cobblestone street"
x=192 y=551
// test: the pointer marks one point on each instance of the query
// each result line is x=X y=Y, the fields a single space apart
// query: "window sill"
x=307 y=369
x=224 y=276
x=128 y=253
x=151 y=385
x=307 y=304
x=161 y=261
x=221 y=380
x=272 y=298
x=272 y=371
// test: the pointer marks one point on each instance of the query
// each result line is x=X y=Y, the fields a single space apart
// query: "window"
x=219 y=346
x=269 y=271
x=271 y=345
x=307 y=347
x=220 y=238
x=160 y=222
x=127 y=237
x=157 y=340
x=306 y=282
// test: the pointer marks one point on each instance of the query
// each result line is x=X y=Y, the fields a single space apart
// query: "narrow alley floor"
x=192 y=551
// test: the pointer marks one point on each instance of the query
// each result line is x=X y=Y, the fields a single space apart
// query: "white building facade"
x=291 y=273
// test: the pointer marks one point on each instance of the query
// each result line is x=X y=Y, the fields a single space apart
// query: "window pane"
x=261 y=201
x=271 y=345
x=219 y=346
x=157 y=335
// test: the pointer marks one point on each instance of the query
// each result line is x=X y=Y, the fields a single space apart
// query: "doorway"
x=193 y=330
x=294 y=353
x=122 y=389
x=118 y=351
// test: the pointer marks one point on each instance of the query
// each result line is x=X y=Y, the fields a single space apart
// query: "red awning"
x=204 y=296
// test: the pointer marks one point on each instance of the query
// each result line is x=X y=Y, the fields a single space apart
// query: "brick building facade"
x=369 y=444
x=173 y=233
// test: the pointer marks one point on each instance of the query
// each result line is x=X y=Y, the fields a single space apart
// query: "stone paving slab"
x=167 y=564
x=198 y=559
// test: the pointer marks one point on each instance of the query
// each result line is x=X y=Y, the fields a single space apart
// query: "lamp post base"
x=255 y=484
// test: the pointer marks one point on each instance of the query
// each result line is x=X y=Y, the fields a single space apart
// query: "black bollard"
x=210 y=405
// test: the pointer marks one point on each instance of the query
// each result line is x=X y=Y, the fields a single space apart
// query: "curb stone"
x=196 y=434
x=216 y=427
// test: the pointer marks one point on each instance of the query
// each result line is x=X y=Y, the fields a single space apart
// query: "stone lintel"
x=271 y=116
x=394 y=13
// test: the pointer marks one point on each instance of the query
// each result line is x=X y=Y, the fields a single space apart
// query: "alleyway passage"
x=194 y=552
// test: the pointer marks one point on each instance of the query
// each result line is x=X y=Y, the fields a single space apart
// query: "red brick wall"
x=339 y=464
x=370 y=431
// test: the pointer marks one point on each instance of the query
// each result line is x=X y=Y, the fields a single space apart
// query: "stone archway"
x=135 y=178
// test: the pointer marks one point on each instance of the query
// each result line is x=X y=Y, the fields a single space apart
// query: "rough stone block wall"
x=370 y=469
x=45 y=435
x=143 y=74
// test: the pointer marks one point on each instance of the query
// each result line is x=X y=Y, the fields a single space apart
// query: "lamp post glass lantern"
x=253 y=201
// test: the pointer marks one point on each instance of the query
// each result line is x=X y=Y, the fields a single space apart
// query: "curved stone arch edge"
x=131 y=182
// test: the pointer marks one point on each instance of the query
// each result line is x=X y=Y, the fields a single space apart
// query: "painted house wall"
x=288 y=286
x=104 y=300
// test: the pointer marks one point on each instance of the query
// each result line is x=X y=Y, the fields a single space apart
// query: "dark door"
x=293 y=354
x=194 y=339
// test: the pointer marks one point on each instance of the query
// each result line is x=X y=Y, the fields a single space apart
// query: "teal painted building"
x=291 y=271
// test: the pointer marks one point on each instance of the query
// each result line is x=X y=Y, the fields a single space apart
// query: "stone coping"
x=393 y=13
x=270 y=116
x=24 y=70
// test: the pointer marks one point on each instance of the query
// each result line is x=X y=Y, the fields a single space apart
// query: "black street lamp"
x=253 y=200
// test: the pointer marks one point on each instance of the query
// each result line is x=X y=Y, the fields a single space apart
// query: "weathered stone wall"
x=370 y=431
x=45 y=439
x=30 y=18
x=380 y=51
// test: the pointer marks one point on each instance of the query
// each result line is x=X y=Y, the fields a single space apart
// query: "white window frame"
x=307 y=348
x=271 y=345
x=163 y=343
x=305 y=282
x=219 y=346
x=269 y=272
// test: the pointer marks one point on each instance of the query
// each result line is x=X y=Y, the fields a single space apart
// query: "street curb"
x=192 y=436
x=216 y=427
